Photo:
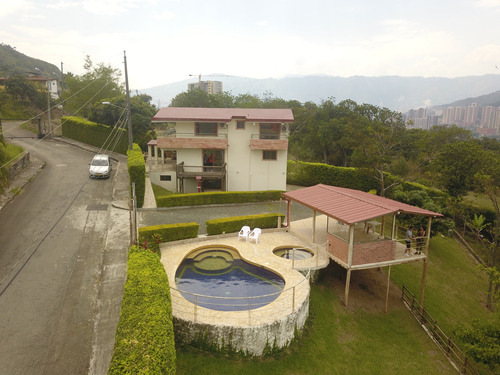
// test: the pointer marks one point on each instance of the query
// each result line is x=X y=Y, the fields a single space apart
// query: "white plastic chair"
x=255 y=235
x=244 y=232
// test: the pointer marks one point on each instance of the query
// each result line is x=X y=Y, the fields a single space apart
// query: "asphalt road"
x=62 y=264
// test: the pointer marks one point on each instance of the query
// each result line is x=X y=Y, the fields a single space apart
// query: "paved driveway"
x=201 y=214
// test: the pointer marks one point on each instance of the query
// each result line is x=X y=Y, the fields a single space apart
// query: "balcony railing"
x=197 y=135
x=281 y=136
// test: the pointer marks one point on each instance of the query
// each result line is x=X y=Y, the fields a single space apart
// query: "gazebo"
x=362 y=230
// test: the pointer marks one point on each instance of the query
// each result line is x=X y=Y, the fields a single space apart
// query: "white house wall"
x=246 y=169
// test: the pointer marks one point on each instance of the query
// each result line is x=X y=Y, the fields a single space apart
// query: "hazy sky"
x=167 y=40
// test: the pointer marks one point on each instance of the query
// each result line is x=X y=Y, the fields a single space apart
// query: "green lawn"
x=362 y=339
x=159 y=191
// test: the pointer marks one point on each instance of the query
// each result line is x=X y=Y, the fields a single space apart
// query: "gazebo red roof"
x=350 y=206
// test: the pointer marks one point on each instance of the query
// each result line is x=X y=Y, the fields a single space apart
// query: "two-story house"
x=227 y=149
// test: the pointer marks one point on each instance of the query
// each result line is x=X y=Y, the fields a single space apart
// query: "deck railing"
x=457 y=358
x=245 y=304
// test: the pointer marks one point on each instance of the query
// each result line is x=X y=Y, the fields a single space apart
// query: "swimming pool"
x=218 y=278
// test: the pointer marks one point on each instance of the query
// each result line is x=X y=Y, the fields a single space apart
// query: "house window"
x=164 y=177
x=269 y=131
x=269 y=155
x=206 y=128
x=240 y=124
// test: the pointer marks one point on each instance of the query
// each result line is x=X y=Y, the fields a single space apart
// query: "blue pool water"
x=222 y=273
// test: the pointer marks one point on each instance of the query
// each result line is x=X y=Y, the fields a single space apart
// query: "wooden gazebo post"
x=349 y=263
x=426 y=251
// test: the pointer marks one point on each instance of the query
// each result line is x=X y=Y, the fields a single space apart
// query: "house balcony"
x=193 y=171
x=193 y=140
x=269 y=142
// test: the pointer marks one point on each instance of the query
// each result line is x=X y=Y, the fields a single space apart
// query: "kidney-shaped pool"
x=218 y=278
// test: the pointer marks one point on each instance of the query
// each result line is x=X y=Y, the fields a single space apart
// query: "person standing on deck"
x=409 y=236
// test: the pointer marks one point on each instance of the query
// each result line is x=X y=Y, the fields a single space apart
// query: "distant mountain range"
x=394 y=92
x=13 y=62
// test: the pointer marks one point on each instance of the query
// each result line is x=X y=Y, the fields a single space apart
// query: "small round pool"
x=217 y=278
x=291 y=252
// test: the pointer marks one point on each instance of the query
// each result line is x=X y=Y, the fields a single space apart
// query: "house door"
x=213 y=160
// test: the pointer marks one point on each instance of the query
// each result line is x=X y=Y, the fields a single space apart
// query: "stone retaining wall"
x=17 y=166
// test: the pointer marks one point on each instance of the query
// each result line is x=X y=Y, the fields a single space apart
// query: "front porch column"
x=349 y=264
x=162 y=156
x=156 y=155
x=150 y=155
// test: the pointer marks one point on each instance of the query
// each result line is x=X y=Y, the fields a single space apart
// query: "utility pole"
x=129 y=116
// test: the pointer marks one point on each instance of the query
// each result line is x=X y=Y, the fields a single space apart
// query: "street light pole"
x=49 y=120
x=129 y=116
x=48 y=109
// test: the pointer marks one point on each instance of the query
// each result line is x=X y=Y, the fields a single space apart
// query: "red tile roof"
x=350 y=206
x=222 y=114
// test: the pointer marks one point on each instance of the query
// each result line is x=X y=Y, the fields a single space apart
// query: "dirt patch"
x=367 y=289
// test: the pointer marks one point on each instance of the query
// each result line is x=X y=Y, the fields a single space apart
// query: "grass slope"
x=361 y=339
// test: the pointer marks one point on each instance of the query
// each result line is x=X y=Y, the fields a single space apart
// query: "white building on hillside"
x=226 y=149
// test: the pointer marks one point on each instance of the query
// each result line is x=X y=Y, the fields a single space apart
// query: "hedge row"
x=169 y=232
x=218 y=197
x=234 y=224
x=137 y=173
x=94 y=134
x=309 y=174
x=144 y=341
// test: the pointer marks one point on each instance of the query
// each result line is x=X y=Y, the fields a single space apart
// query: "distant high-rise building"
x=210 y=87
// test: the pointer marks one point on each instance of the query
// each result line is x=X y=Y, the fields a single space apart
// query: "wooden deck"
x=304 y=230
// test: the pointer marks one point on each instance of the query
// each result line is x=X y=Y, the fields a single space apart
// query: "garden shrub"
x=234 y=223
x=169 y=232
x=218 y=197
x=92 y=133
x=144 y=341
x=137 y=173
x=309 y=174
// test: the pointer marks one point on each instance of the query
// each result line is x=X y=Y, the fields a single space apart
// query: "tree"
x=98 y=83
x=201 y=99
x=488 y=179
x=24 y=91
x=379 y=132
x=482 y=341
x=115 y=115
x=456 y=165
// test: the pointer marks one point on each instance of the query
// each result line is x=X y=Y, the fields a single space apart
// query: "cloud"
x=62 y=4
x=488 y=3
x=166 y=15
x=12 y=7
x=113 y=7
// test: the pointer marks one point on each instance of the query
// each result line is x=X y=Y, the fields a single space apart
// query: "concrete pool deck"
x=249 y=330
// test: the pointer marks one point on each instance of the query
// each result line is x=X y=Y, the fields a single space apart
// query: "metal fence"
x=259 y=305
x=457 y=358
